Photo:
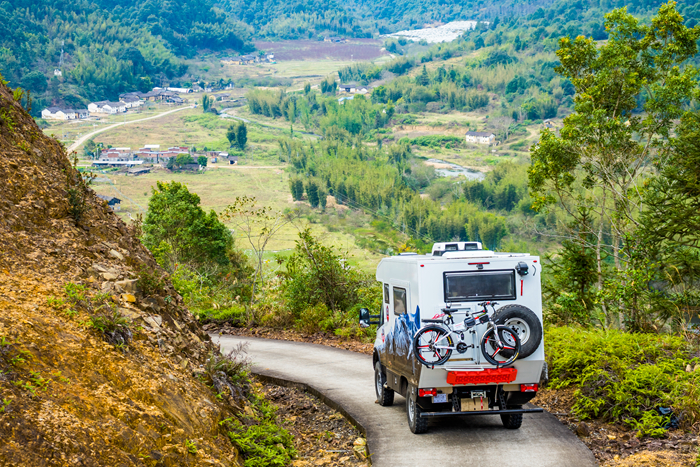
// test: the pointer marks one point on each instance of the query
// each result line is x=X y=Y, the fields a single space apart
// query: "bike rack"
x=479 y=412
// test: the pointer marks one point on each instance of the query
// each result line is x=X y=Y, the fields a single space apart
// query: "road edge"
x=279 y=381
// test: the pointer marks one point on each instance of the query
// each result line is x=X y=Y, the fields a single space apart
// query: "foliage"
x=178 y=230
x=595 y=170
x=625 y=376
x=321 y=290
x=258 y=225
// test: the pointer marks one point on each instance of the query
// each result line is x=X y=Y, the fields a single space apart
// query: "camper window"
x=386 y=293
x=482 y=285
x=399 y=301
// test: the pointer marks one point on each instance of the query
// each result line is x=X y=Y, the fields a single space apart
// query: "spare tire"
x=525 y=323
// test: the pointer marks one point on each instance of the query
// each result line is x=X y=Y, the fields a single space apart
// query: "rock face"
x=67 y=396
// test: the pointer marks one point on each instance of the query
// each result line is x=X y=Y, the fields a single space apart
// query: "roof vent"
x=440 y=248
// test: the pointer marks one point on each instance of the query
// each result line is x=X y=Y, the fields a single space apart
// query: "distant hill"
x=109 y=45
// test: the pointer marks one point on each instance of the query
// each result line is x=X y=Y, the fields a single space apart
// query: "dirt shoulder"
x=616 y=445
x=322 y=436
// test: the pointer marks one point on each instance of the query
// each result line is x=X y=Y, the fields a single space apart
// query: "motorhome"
x=458 y=277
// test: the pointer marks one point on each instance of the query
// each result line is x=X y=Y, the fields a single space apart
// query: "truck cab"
x=459 y=277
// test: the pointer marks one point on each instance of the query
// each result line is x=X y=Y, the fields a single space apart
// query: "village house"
x=349 y=88
x=116 y=154
x=179 y=90
x=112 y=201
x=59 y=113
x=480 y=137
x=130 y=101
x=106 y=107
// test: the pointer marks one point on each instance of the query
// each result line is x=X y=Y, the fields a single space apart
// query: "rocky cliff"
x=100 y=364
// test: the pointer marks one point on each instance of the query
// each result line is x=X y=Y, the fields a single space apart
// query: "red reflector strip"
x=480 y=263
x=490 y=375
x=427 y=392
x=528 y=387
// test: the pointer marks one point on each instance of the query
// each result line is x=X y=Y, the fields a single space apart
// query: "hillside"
x=91 y=378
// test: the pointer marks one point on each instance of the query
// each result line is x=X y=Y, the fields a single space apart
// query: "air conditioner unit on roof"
x=440 y=248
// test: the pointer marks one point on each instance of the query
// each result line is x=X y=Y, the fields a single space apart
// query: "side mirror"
x=364 y=318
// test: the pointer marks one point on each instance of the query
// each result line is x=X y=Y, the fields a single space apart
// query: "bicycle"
x=433 y=344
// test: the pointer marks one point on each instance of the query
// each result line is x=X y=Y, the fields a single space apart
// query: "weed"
x=61 y=378
x=149 y=280
x=4 y=405
x=264 y=443
x=39 y=381
x=115 y=328
x=3 y=341
x=71 y=313
x=190 y=446
x=625 y=377
x=55 y=303
x=75 y=292
x=26 y=385
x=21 y=358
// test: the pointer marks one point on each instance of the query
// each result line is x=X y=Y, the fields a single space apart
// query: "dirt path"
x=84 y=138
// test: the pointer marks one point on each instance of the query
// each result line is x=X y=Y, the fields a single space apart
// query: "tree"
x=90 y=148
x=177 y=230
x=237 y=135
x=312 y=193
x=296 y=185
x=307 y=88
x=202 y=160
x=206 y=102
x=35 y=81
x=423 y=79
x=596 y=168
x=258 y=225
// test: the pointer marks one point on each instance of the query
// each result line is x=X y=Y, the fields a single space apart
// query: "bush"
x=626 y=377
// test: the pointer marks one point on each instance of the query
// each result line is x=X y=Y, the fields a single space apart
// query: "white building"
x=130 y=101
x=60 y=113
x=106 y=107
x=480 y=137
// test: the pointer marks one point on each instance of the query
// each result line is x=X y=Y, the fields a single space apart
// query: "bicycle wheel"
x=505 y=353
x=432 y=345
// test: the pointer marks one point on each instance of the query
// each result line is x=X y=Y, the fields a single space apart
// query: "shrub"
x=626 y=377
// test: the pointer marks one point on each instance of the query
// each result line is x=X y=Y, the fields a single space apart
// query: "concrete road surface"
x=347 y=378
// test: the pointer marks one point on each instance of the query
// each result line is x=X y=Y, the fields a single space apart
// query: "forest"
x=108 y=48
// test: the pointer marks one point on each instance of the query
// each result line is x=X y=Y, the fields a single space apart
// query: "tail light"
x=427 y=392
x=528 y=387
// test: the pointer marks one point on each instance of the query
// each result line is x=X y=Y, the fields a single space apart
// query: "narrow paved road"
x=347 y=378
x=84 y=138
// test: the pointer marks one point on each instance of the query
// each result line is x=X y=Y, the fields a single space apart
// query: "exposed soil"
x=322 y=436
x=354 y=49
x=69 y=393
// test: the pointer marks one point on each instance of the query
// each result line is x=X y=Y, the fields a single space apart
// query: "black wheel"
x=432 y=345
x=512 y=421
x=385 y=396
x=416 y=423
x=502 y=354
x=523 y=321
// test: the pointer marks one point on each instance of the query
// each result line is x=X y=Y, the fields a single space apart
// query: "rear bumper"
x=479 y=412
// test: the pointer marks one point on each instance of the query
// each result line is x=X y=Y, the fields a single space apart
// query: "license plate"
x=438 y=398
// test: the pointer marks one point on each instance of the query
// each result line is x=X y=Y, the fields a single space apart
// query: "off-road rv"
x=456 y=279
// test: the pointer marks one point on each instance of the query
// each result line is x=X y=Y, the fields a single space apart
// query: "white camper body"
x=458 y=276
